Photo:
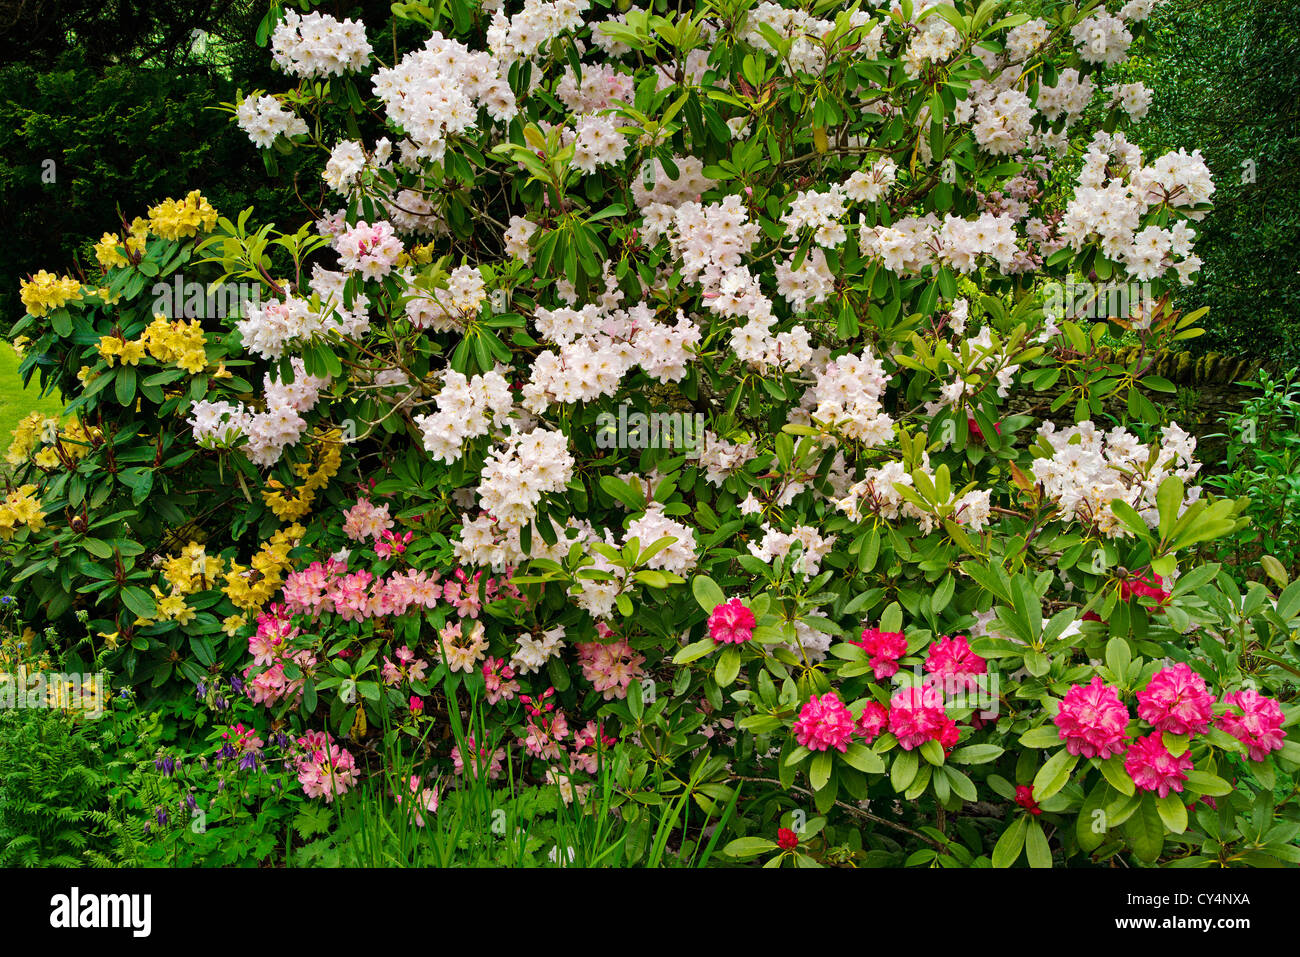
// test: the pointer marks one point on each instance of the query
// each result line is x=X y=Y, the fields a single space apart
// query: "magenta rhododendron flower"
x=1153 y=768
x=731 y=623
x=1143 y=586
x=1258 y=726
x=884 y=649
x=873 y=720
x=1176 y=701
x=824 y=723
x=952 y=663
x=786 y=839
x=916 y=716
x=1092 y=720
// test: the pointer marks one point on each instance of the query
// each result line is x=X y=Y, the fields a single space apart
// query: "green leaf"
x=707 y=593
x=903 y=771
x=1037 y=851
x=1009 y=845
x=975 y=754
x=728 y=666
x=819 y=773
x=744 y=848
x=864 y=759
x=1054 y=774
x=1173 y=812
x=1145 y=830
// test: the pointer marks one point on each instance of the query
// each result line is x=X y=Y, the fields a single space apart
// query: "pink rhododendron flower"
x=1258 y=726
x=1025 y=798
x=824 y=723
x=1143 y=586
x=1092 y=720
x=916 y=716
x=952 y=663
x=324 y=769
x=1153 y=768
x=1176 y=701
x=786 y=839
x=611 y=667
x=731 y=623
x=499 y=677
x=873 y=720
x=884 y=648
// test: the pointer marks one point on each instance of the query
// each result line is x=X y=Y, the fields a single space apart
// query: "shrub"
x=650 y=406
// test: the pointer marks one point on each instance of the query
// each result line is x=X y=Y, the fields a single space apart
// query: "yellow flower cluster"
x=416 y=256
x=21 y=507
x=175 y=219
x=252 y=587
x=177 y=342
x=291 y=504
x=46 y=291
x=109 y=251
x=192 y=570
x=36 y=428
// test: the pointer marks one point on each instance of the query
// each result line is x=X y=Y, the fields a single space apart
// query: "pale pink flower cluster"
x=462 y=649
x=448 y=308
x=270 y=649
x=935 y=42
x=913 y=243
x=596 y=142
x=777 y=544
x=407 y=667
x=720 y=458
x=481 y=759
x=266 y=433
x=1003 y=121
x=600 y=86
x=317 y=45
x=610 y=667
x=1087 y=469
x=371 y=250
x=263 y=118
x=678 y=557
x=271 y=326
x=324 y=769
x=366 y=520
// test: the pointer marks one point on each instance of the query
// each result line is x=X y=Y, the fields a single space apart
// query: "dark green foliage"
x=53 y=794
x=1225 y=80
x=120 y=140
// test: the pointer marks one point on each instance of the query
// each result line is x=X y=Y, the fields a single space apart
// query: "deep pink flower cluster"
x=1143 y=586
x=951 y=664
x=328 y=586
x=916 y=715
x=1259 y=724
x=611 y=667
x=1153 y=768
x=1176 y=701
x=1092 y=720
x=824 y=723
x=731 y=623
x=884 y=648
x=873 y=720
x=269 y=646
x=499 y=677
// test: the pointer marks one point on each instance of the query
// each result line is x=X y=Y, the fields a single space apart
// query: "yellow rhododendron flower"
x=109 y=251
x=178 y=219
x=46 y=291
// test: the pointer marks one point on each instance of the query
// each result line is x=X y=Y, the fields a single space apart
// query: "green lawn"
x=15 y=401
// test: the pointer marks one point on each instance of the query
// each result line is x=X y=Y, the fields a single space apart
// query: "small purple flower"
x=161 y=816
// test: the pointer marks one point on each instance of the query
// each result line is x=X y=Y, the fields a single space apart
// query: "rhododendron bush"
x=913 y=573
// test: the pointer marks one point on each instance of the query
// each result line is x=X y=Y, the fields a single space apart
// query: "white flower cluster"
x=467 y=408
x=877 y=494
x=913 y=243
x=1102 y=38
x=533 y=653
x=1111 y=209
x=596 y=142
x=653 y=184
x=435 y=92
x=936 y=41
x=600 y=86
x=720 y=458
x=319 y=45
x=871 y=185
x=519 y=472
x=521 y=36
x=1026 y=38
x=1003 y=122
x=679 y=557
x=598 y=346
x=1135 y=98
x=820 y=212
x=846 y=398
x=775 y=544
x=444 y=309
x=1087 y=469
x=804 y=30
x=517 y=236
x=271 y=326
x=269 y=432
x=810 y=281
x=263 y=118
x=1070 y=96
